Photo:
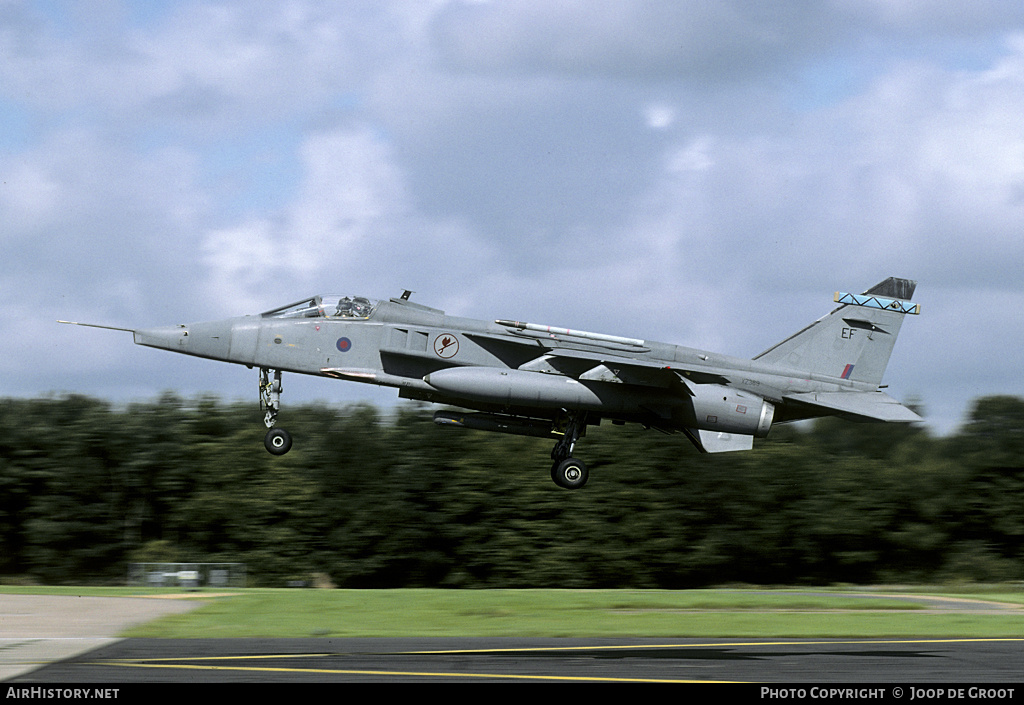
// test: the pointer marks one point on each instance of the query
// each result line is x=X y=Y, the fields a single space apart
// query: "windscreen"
x=327 y=306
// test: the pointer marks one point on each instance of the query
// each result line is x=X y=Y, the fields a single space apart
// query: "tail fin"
x=854 y=341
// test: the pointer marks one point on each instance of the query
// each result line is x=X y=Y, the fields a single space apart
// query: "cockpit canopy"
x=327 y=306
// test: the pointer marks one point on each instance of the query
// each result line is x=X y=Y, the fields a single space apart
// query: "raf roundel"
x=344 y=344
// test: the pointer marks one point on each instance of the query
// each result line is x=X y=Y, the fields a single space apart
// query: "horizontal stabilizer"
x=871 y=406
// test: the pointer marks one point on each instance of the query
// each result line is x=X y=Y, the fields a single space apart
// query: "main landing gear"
x=568 y=472
x=277 y=441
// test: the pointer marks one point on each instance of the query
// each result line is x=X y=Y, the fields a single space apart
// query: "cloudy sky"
x=701 y=172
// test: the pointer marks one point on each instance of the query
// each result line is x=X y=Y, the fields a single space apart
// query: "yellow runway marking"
x=358 y=672
x=176 y=662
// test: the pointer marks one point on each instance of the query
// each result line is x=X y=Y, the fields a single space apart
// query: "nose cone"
x=212 y=339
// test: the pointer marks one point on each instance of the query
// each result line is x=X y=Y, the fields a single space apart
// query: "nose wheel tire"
x=570 y=474
x=278 y=441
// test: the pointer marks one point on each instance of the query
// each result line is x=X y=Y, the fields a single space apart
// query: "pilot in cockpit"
x=354 y=307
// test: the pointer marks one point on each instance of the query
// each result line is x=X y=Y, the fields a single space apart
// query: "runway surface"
x=538 y=660
x=76 y=638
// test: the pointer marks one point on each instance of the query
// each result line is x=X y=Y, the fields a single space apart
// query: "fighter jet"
x=537 y=380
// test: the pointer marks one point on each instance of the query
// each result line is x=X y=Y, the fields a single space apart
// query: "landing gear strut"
x=568 y=472
x=277 y=441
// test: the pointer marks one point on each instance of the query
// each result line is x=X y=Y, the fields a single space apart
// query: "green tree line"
x=387 y=499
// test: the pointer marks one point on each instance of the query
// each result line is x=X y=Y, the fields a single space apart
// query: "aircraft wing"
x=862 y=406
x=550 y=350
x=586 y=366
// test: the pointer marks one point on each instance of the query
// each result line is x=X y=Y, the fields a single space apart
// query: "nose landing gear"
x=277 y=441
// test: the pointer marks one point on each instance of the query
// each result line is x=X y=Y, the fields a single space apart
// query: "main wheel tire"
x=278 y=441
x=570 y=474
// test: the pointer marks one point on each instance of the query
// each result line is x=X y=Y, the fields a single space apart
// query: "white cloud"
x=658 y=117
x=349 y=192
x=349 y=227
x=238 y=260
